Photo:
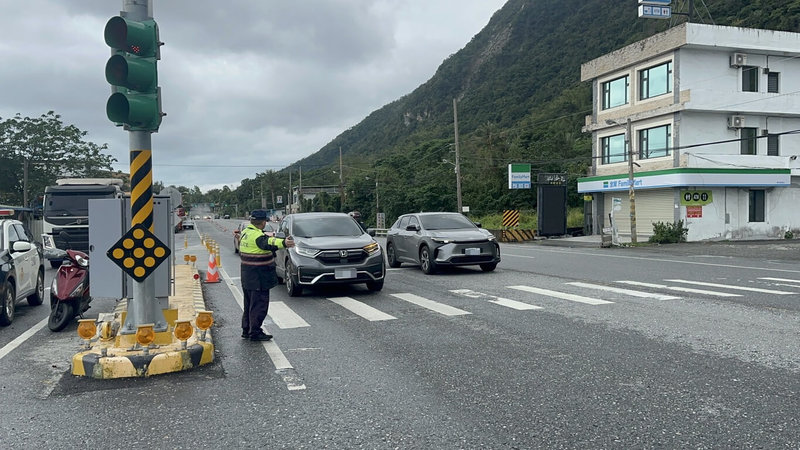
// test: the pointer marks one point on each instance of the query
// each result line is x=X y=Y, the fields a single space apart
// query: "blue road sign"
x=654 y=12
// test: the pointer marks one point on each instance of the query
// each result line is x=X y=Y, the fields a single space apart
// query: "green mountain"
x=520 y=99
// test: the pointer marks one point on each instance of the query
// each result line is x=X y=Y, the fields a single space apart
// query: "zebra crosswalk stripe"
x=678 y=288
x=561 y=295
x=284 y=317
x=507 y=302
x=440 y=308
x=735 y=288
x=624 y=291
x=361 y=309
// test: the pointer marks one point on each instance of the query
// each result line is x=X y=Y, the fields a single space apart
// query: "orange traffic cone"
x=212 y=276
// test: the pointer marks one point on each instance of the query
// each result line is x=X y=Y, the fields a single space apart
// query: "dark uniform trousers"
x=256 y=306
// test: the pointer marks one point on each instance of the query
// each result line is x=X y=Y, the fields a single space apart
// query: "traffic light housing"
x=135 y=100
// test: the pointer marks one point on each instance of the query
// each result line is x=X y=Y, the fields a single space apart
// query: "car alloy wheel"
x=426 y=262
x=391 y=255
x=7 y=310
x=37 y=298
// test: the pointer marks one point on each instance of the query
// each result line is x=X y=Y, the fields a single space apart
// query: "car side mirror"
x=412 y=227
x=371 y=232
x=477 y=224
x=21 y=246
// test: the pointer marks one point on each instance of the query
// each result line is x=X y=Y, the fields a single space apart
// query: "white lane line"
x=284 y=317
x=508 y=303
x=561 y=295
x=735 y=288
x=440 y=308
x=678 y=288
x=624 y=291
x=280 y=361
x=361 y=309
x=683 y=262
x=8 y=348
x=785 y=280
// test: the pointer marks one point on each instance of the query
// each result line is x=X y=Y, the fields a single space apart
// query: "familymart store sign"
x=687 y=177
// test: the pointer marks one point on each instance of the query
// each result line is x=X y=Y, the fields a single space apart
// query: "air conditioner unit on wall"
x=735 y=121
x=738 y=60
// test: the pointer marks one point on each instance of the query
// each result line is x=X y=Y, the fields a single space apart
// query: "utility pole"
x=458 y=165
x=341 y=184
x=631 y=191
x=25 y=183
x=300 y=191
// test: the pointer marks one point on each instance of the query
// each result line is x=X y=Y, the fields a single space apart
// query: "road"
x=558 y=348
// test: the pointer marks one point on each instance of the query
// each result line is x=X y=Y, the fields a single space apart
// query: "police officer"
x=357 y=216
x=256 y=250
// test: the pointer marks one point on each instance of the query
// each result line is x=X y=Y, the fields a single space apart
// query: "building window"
x=772 y=82
x=615 y=92
x=773 y=142
x=748 y=141
x=757 y=206
x=654 y=142
x=749 y=79
x=655 y=81
x=614 y=149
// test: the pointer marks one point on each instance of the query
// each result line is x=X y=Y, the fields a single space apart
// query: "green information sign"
x=696 y=198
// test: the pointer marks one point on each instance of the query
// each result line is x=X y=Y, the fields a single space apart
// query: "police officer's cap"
x=258 y=214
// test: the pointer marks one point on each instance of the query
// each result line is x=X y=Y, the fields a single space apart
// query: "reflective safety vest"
x=249 y=251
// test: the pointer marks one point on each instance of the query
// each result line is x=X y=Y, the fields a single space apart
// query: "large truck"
x=65 y=212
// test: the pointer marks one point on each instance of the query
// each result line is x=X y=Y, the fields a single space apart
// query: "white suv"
x=21 y=269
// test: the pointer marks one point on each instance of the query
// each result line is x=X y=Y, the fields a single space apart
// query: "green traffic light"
x=132 y=69
x=137 y=74
x=139 y=111
x=138 y=38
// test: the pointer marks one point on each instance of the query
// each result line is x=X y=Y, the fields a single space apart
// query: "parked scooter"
x=69 y=292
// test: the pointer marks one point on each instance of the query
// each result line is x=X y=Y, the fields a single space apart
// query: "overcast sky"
x=247 y=85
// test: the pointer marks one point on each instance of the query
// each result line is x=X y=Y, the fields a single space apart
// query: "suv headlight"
x=491 y=237
x=306 y=251
x=441 y=240
x=372 y=248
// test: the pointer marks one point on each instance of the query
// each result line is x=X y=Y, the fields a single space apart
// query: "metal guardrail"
x=380 y=231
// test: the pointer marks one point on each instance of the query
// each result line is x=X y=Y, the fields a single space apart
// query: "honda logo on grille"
x=343 y=253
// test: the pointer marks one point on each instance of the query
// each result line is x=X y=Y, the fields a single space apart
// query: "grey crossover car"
x=440 y=239
x=330 y=248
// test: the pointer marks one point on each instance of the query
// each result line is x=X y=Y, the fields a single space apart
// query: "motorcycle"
x=69 y=292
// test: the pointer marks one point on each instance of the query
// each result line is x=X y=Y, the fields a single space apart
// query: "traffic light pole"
x=143 y=308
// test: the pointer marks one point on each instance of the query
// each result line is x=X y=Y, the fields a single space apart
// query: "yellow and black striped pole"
x=142 y=188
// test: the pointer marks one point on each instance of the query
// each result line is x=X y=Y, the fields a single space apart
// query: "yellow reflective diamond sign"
x=138 y=252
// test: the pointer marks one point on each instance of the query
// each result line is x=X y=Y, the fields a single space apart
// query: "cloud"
x=246 y=85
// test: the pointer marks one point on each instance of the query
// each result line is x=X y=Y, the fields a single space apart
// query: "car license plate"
x=472 y=251
x=343 y=274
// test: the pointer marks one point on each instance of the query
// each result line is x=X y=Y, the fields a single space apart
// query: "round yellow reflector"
x=139 y=271
x=159 y=252
x=145 y=334
x=204 y=320
x=128 y=263
x=128 y=243
x=86 y=328
x=183 y=330
x=118 y=253
x=138 y=233
x=186 y=258
x=138 y=252
x=193 y=258
x=149 y=243
x=149 y=261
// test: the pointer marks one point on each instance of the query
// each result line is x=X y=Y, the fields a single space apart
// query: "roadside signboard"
x=654 y=12
x=519 y=176
x=694 y=212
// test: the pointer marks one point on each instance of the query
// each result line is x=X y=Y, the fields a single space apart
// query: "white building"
x=714 y=118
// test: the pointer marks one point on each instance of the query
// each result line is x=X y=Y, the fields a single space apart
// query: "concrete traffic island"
x=113 y=355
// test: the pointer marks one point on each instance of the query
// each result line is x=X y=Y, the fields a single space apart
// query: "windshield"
x=445 y=222
x=326 y=226
x=72 y=204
